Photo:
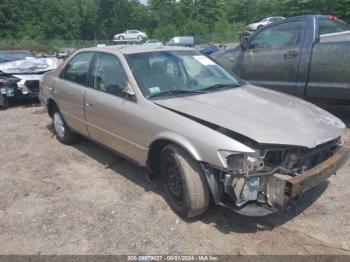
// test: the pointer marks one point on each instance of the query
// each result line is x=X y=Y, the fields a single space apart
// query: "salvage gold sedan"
x=203 y=131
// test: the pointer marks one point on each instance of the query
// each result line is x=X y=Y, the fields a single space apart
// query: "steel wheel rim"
x=174 y=182
x=58 y=125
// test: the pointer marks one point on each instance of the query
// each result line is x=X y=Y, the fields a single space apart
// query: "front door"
x=273 y=55
x=106 y=104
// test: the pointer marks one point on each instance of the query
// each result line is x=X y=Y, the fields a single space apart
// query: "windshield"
x=187 y=71
x=8 y=56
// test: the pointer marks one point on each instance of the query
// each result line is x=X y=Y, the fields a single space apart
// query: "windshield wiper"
x=218 y=86
x=176 y=92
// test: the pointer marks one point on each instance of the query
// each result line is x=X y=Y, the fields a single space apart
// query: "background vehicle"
x=264 y=22
x=130 y=34
x=63 y=54
x=187 y=41
x=306 y=56
x=208 y=50
x=20 y=73
x=153 y=42
x=196 y=126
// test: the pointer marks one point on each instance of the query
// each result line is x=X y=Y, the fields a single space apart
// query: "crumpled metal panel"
x=30 y=65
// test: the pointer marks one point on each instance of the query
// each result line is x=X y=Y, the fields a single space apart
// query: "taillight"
x=331 y=17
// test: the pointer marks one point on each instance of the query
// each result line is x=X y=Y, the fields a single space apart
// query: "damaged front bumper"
x=277 y=191
x=21 y=86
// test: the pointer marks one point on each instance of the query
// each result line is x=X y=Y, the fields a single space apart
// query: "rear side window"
x=329 y=26
x=278 y=36
x=108 y=75
x=77 y=69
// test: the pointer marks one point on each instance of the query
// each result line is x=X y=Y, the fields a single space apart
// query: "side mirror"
x=245 y=42
x=127 y=89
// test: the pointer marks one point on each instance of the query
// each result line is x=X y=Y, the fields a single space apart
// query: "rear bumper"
x=282 y=189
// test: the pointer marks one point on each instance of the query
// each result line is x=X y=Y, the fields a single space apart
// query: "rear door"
x=132 y=34
x=329 y=76
x=106 y=105
x=273 y=56
x=70 y=88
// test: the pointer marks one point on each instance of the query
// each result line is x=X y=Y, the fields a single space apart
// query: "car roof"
x=133 y=49
x=308 y=16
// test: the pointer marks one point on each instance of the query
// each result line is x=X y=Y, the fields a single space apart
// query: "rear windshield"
x=329 y=26
x=8 y=56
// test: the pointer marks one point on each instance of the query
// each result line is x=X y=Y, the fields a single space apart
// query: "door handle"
x=291 y=54
x=90 y=104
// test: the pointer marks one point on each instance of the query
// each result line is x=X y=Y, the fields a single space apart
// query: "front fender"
x=181 y=141
x=205 y=146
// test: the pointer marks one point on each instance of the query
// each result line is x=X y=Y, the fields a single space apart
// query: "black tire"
x=140 y=37
x=121 y=37
x=3 y=101
x=188 y=178
x=260 y=26
x=65 y=135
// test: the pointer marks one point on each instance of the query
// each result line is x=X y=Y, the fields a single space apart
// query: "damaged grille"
x=300 y=159
x=32 y=85
x=11 y=82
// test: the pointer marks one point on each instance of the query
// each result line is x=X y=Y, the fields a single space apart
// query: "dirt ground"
x=57 y=199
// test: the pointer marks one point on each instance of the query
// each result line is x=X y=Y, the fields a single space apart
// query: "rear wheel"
x=62 y=131
x=260 y=26
x=184 y=182
x=140 y=37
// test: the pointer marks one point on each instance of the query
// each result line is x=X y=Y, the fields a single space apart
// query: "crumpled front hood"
x=33 y=65
x=266 y=116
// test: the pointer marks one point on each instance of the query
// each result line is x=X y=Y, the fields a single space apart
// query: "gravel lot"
x=83 y=199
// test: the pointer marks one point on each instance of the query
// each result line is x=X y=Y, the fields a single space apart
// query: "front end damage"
x=20 y=79
x=267 y=182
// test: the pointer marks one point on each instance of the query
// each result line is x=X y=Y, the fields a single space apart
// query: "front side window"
x=329 y=26
x=174 y=71
x=278 y=36
x=77 y=69
x=108 y=75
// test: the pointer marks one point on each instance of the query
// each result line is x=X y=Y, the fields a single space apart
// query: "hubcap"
x=174 y=180
x=58 y=125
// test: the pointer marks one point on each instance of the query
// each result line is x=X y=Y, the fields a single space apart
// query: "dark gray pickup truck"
x=306 y=56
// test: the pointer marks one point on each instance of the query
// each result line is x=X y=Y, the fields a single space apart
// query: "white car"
x=130 y=34
x=264 y=22
x=153 y=42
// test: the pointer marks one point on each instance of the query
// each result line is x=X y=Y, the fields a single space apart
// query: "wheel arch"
x=51 y=104
x=156 y=147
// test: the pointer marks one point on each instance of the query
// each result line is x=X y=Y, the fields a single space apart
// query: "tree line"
x=101 y=19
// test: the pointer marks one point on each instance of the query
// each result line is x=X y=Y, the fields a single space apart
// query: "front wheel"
x=3 y=101
x=260 y=26
x=62 y=131
x=184 y=182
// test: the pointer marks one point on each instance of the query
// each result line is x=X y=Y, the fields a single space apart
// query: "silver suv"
x=203 y=131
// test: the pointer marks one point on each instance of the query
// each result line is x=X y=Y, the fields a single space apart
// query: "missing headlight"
x=244 y=164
